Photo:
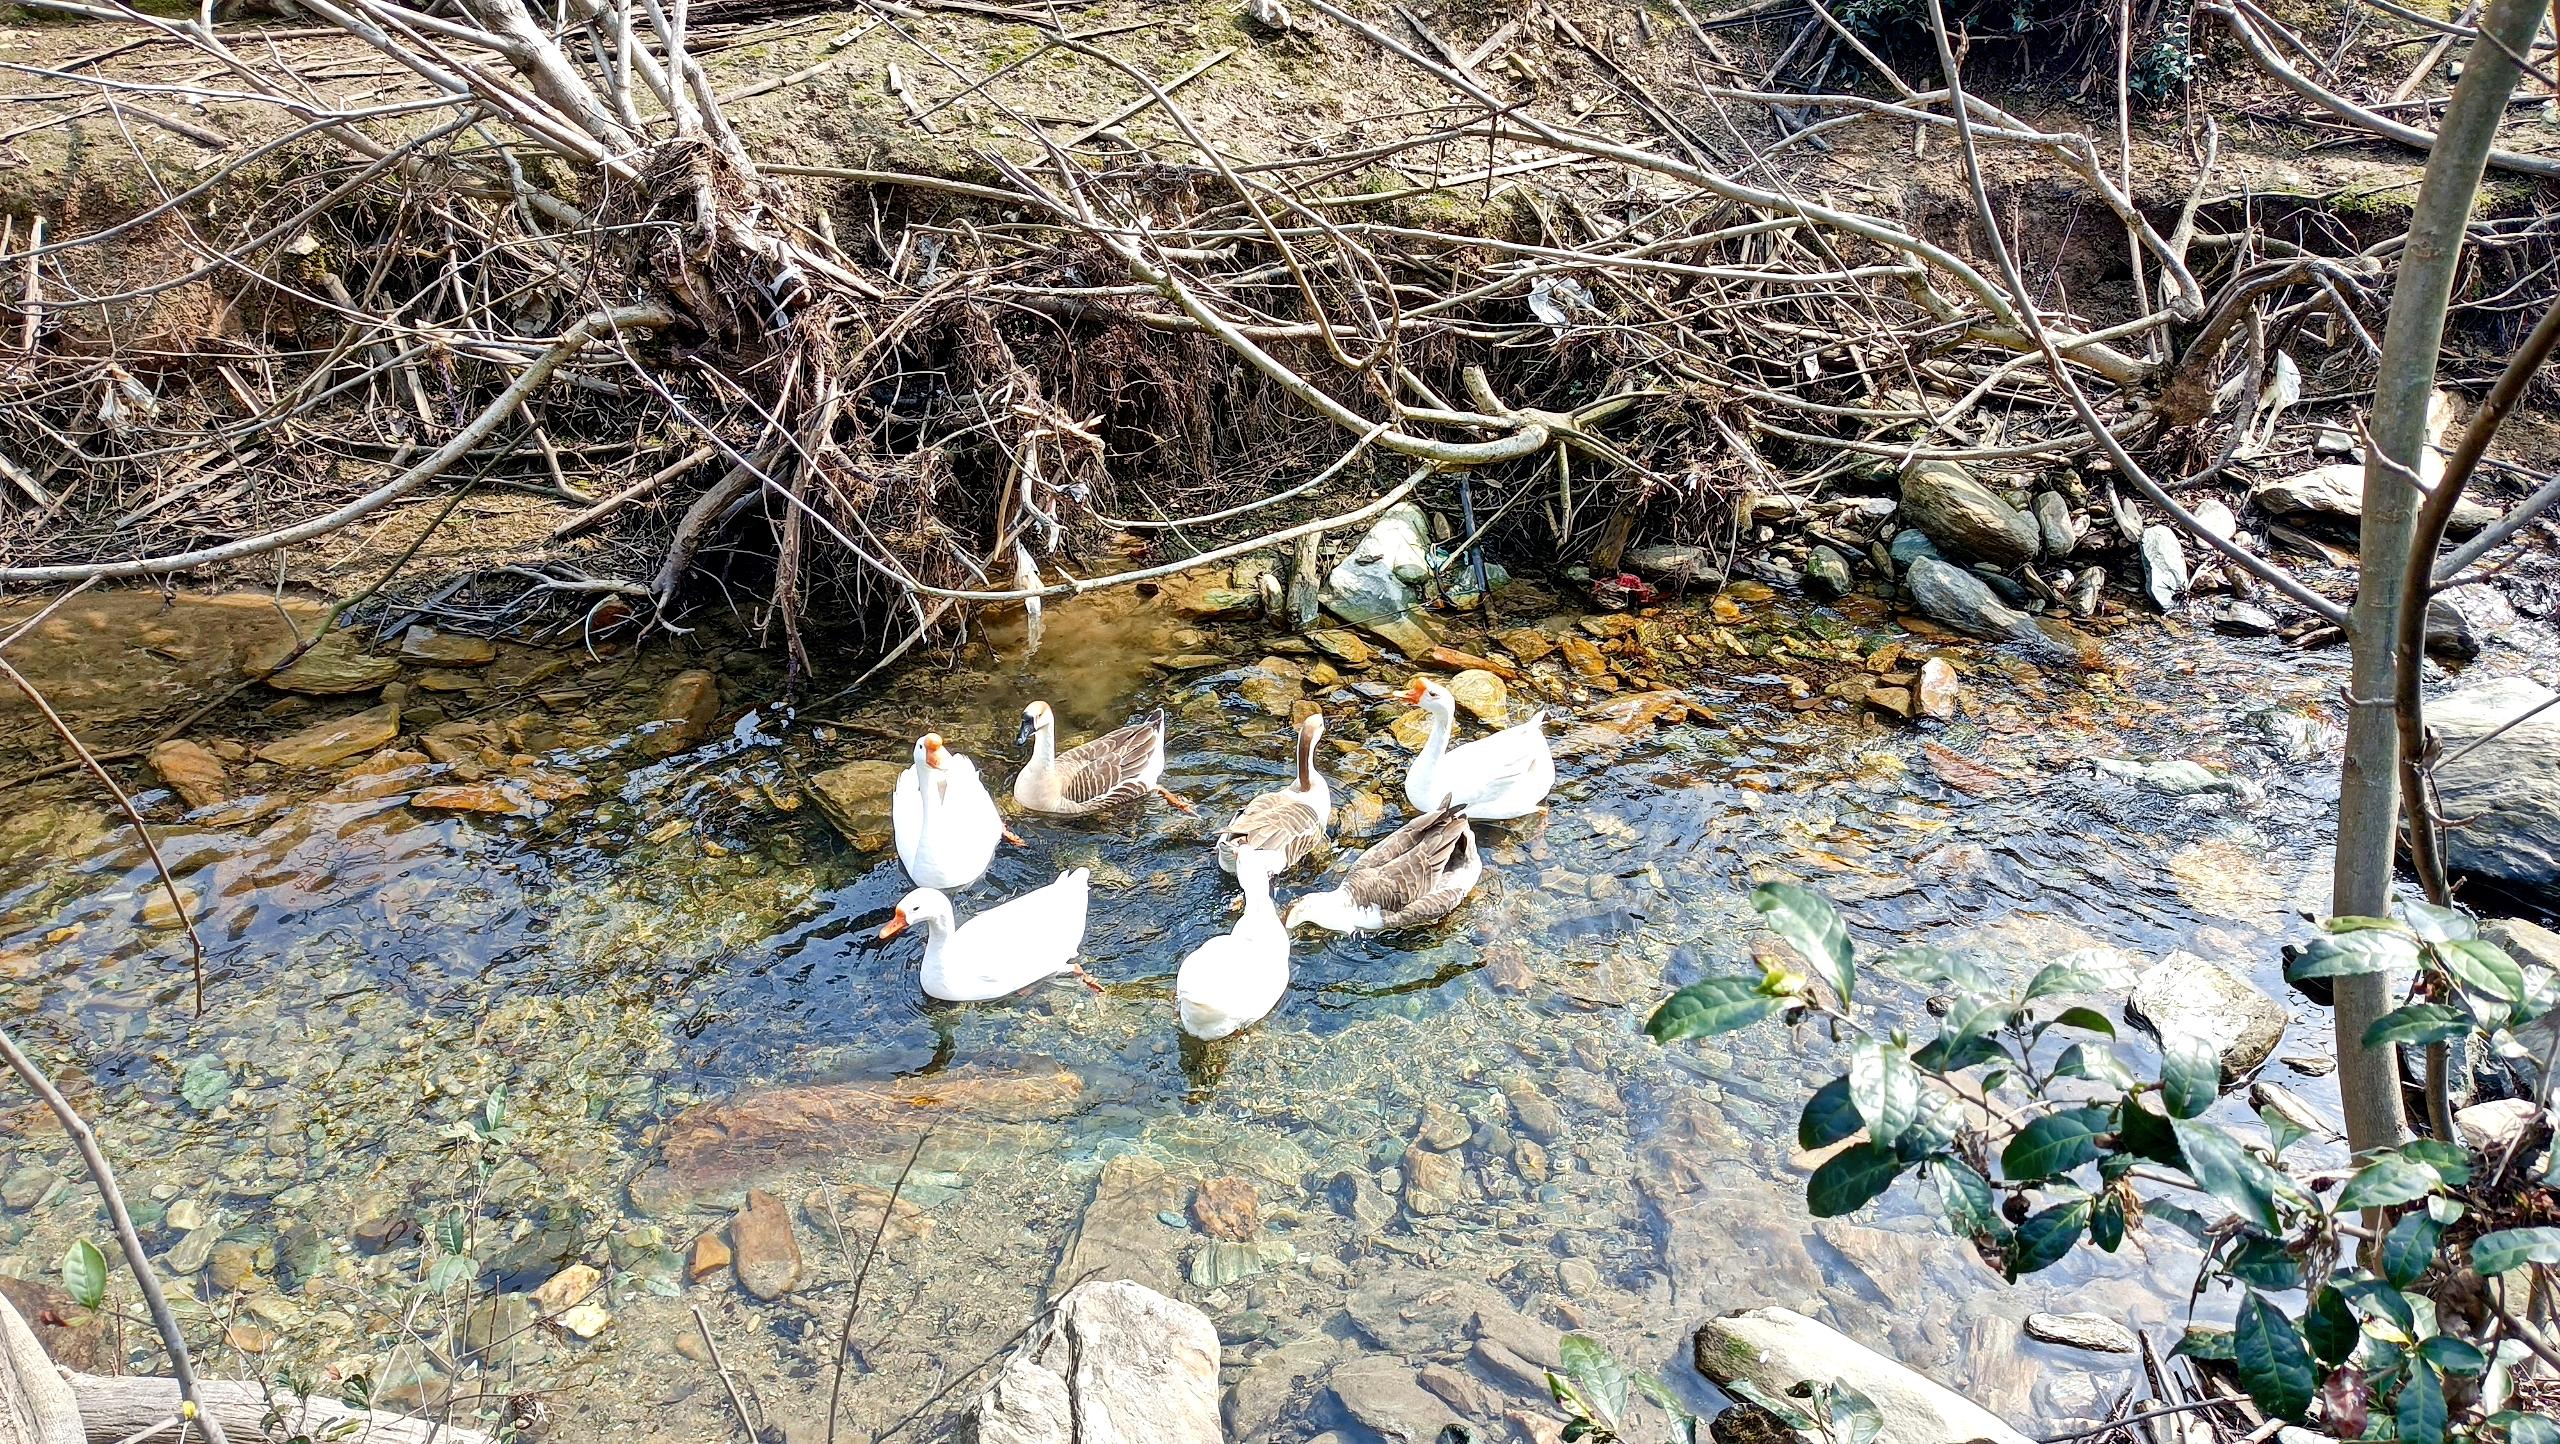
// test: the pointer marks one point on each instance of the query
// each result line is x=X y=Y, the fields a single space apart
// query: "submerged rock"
x=1112 y=1363
x=718 y=1149
x=1965 y=517
x=1826 y=574
x=1227 y=1207
x=190 y=770
x=764 y=1247
x=854 y=799
x=687 y=707
x=336 y=666
x=2185 y=996
x=326 y=744
x=1776 y=1349
x=2506 y=791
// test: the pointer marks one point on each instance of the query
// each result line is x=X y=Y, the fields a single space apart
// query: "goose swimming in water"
x=1111 y=769
x=1494 y=778
x=1291 y=821
x=1418 y=874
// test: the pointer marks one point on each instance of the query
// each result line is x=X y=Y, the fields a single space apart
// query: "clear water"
x=486 y=1027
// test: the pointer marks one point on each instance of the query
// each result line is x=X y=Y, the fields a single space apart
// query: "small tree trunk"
x=2368 y=791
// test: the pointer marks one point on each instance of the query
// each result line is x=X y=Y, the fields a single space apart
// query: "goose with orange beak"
x=1493 y=779
x=944 y=820
x=1003 y=950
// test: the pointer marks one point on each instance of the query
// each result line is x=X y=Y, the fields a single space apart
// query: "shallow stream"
x=441 y=1036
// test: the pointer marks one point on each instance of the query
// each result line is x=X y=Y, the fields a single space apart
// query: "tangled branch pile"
x=502 y=249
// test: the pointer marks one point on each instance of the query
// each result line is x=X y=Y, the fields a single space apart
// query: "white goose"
x=1233 y=981
x=1494 y=778
x=1291 y=821
x=1003 y=950
x=946 y=823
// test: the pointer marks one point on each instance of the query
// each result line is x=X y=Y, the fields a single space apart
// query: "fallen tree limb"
x=116 y=1409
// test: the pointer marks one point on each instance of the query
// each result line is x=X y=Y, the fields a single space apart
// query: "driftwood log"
x=35 y=1408
x=115 y=1409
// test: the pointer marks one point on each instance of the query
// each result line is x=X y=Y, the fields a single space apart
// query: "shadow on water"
x=433 y=1016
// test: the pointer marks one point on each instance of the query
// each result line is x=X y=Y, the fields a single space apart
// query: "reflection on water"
x=440 y=1036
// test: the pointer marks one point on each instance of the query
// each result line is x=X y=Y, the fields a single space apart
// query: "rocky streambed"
x=550 y=1067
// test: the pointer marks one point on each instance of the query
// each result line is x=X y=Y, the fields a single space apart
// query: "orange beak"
x=1412 y=693
x=934 y=751
x=896 y=924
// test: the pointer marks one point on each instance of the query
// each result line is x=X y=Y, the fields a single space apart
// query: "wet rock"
x=709 y=1255
x=2177 y=776
x=1826 y=574
x=1382 y=1395
x=1441 y=1128
x=1910 y=545
x=1964 y=517
x=2094 y=1332
x=567 y=1289
x=2245 y=619
x=1521 y=1342
x=2508 y=790
x=1482 y=695
x=1383 y=576
x=301 y=1255
x=1112 y=1363
x=2528 y=943
x=1404 y=634
x=499 y=1330
x=2059 y=529
x=1411 y=1311
x=194 y=1251
x=2461 y=622
x=495 y=799
x=336 y=666
x=2187 y=996
x=1218 y=604
x=1525 y=644
x=1344 y=647
x=231 y=1266
x=1583 y=657
x=2293 y=1108
x=429 y=647
x=1273 y=692
x=1218 y=1263
x=1895 y=701
x=722 y=1147
x=1468 y=1395
x=1357 y=1197
x=384 y=1232
x=326 y=744
x=2085 y=589
x=2164 y=566
x=1122 y=1233
x=1431 y=1182
x=687 y=707
x=190 y=770
x=1228 y=1208
x=854 y=799
x=1776 y=1349
x=2337 y=491
x=1536 y=1114
x=1936 y=689
x=1958 y=598
x=765 y=1246
x=1451 y=659
x=1675 y=563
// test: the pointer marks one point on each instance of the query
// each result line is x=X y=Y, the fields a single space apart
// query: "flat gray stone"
x=1966 y=518
x=2094 y=1332
x=2187 y=996
x=2506 y=791
x=1776 y=1349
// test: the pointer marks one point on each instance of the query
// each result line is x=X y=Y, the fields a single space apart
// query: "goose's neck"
x=1260 y=917
x=1044 y=745
x=1437 y=743
x=928 y=790
x=1309 y=784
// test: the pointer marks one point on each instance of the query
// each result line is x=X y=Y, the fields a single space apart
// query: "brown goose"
x=1418 y=875
x=1291 y=821
x=1111 y=769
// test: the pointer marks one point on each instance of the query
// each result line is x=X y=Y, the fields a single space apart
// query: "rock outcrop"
x=1776 y=1349
x=2507 y=791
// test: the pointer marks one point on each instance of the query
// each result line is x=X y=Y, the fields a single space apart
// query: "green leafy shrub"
x=2039 y=1136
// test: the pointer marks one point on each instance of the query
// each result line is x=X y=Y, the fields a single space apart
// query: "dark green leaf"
x=2452 y=1355
x=2347 y=955
x=2087 y=1020
x=1937 y=968
x=2180 y=1217
x=1813 y=927
x=2420 y=1412
x=2147 y=1135
x=2331 y=1327
x=1855 y=1419
x=2055 y=1144
x=1829 y=1116
x=2438 y=924
x=2409 y=1248
x=2204 y=1342
x=2282 y=1132
x=84 y=1273
x=2264 y=1263
x=1885 y=1087
x=2274 y=1366
x=1705 y=1009
x=2047 y=1236
x=2495 y=1253
x=2088 y=972
x=2094 y=1061
x=2526 y=1428
x=1597 y=1376
x=2392 y=1178
x=2221 y=1167
x=2417 y=1023
x=1849 y=1179
x=1971 y=1212
x=2452 y=1162
x=205 y=1082
x=2482 y=967
x=2190 y=1074
x=2351 y=923
x=2376 y=1297
x=2106 y=1222
x=1940 y=1120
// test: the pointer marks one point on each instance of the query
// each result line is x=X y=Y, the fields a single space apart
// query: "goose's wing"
x=1404 y=868
x=1050 y=919
x=1275 y=822
x=1114 y=767
x=1490 y=764
x=1457 y=876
